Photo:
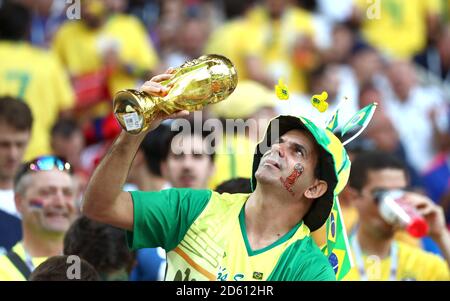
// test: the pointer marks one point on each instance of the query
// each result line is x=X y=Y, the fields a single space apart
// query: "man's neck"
x=371 y=244
x=268 y=217
x=41 y=245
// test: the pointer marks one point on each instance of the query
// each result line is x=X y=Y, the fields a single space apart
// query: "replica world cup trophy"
x=207 y=79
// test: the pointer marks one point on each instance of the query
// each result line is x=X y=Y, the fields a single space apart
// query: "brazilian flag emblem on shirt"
x=257 y=275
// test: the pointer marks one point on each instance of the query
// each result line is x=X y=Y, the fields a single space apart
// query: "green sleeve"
x=303 y=261
x=162 y=218
x=316 y=268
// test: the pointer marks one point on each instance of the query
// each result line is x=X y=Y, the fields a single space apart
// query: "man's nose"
x=188 y=161
x=279 y=148
x=13 y=152
x=58 y=199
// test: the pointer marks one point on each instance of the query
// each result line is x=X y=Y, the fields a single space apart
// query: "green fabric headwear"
x=334 y=169
x=334 y=163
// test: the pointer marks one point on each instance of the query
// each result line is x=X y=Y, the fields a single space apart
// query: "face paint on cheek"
x=292 y=178
x=36 y=204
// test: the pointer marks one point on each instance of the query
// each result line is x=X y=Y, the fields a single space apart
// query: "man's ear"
x=316 y=190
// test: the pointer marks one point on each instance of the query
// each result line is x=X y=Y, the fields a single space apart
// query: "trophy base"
x=134 y=110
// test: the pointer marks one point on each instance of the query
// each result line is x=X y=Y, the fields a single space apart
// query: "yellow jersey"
x=36 y=76
x=80 y=49
x=410 y=264
x=397 y=27
x=8 y=272
x=232 y=40
x=256 y=35
x=277 y=44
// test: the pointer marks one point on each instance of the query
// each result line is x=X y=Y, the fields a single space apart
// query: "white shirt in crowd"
x=412 y=121
x=7 y=203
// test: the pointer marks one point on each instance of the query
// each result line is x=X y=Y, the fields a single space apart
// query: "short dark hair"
x=236 y=185
x=103 y=246
x=193 y=131
x=153 y=148
x=16 y=113
x=15 y=21
x=56 y=269
x=372 y=161
x=65 y=128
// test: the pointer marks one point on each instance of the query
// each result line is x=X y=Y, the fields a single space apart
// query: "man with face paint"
x=264 y=235
x=45 y=192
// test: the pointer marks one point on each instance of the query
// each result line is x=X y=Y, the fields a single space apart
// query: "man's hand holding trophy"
x=190 y=87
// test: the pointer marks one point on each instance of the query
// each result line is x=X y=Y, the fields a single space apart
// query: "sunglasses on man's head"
x=45 y=163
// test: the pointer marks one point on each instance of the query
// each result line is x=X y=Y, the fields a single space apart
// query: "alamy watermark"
x=73 y=9
x=373 y=11
x=74 y=267
x=221 y=135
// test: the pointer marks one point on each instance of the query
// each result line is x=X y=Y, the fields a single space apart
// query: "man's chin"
x=266 y=177
x=385 y=230
x=56 y=228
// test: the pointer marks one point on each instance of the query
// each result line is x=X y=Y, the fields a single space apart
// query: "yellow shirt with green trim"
x=36 y=76
x=399 y=28
x=9 y=272
x=205 y=238
x=413 y=264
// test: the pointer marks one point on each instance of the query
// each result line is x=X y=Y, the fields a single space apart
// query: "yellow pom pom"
x=319 y=101
x=281 y=90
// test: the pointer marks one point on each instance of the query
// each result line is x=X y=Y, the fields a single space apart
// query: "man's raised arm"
x=104 y=200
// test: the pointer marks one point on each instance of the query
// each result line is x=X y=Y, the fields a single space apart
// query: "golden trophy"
x=207 y=79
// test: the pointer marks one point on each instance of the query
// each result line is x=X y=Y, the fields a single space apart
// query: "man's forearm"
x=111 y=174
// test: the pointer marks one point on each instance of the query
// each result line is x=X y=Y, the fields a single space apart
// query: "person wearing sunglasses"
x=45 y=192
x=377 y=253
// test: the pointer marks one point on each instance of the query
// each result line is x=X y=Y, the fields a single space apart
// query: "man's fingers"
x=161 y=77
x=417 y=200
x=153 y=88
x=429 y=210
x=171 y=70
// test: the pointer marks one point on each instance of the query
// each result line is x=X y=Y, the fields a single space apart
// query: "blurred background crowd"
x=61 y=62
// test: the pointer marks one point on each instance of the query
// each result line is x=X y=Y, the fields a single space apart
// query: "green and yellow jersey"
x=205 y=238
